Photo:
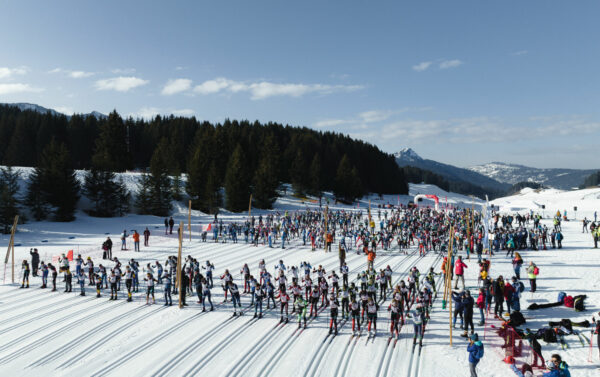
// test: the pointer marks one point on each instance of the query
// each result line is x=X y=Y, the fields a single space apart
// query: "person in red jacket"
x=481 y=305
x=508 y=295
x=459 y=270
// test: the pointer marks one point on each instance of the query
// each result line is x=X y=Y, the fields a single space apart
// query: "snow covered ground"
x=55 y=333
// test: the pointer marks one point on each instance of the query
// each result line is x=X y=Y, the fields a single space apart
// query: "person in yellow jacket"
x=596 y=235
x=532 y=273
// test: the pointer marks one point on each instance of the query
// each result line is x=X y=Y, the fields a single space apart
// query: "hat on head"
x=474 y=337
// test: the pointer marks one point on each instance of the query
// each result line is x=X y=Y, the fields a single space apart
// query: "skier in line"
x=128 y=282
x=355 y=311
x=150 y=287
x=25 y=269
x=335 y=304
x=284 y=300
x=167 y=288
x=302 y=304
x=113 y=285
x=372 y=308
x=235 y=298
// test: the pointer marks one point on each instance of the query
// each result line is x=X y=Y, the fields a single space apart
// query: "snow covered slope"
x=512 y=173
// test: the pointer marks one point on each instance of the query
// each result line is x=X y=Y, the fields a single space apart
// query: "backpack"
x=521 y=287
x=561 y=297
x=536 y=271
x=479 y=353
x=579 y=305
x=569 y=301
x=549 y=336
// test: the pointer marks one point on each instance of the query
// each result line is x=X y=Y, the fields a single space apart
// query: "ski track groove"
x=271 y=363
x=318 y=354
x=332 y=263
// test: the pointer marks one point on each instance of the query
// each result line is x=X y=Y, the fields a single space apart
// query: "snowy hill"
x=23 y=106
x=408 y=157
x=512 y=173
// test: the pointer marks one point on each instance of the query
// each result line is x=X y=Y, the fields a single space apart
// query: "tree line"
x=222 y=163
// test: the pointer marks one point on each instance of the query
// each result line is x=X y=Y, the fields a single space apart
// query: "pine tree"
x=198 y=167
x=348 y=186
x=299 y=174
x=112 y=152
x=143 y=200
x=9 y=201
x=35 y=199
x=237 y=182
x=176 y=187
x=266 y=179
x=109 y=196
x=212 y=197
x=53 y=187
x=160 y=182
x=315 y=176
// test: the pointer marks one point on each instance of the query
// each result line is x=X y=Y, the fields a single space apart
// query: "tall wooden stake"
x=190 y=218
x=250 y=208
x=326 y=233
x=449 y=273
x=179 y=287
x=11 y=246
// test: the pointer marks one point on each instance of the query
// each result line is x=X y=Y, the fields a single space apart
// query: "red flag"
x=70 y=255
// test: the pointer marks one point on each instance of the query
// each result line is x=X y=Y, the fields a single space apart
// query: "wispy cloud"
x=75 y=74
x=518 y=53
x=364 y=119
x=122 y=71
x=121 y=83
x=13 y=88
x=176 y=86
x=421 y=66
x=450 y=64
x=64 y=110
x=6 y=72
x=265 y=89
x=150 y=112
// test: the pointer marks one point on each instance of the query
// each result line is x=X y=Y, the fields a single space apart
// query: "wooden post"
x=179 y=287
x=190 y=218
x=250 y=208
x=326 y=216
x=11 y=246
x=449 y=274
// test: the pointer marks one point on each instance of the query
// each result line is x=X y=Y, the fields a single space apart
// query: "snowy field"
x=54 y=333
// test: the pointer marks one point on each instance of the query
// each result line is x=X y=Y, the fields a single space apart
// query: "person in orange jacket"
x=370 y=258
x=136 y=240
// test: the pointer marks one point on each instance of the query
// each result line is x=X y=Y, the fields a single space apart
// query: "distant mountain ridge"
x=408 y=157
x=564 y=179
x=23 y=106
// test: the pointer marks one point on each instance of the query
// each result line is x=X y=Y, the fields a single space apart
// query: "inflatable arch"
x=432 y=197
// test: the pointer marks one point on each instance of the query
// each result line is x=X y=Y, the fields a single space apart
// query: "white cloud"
x=150 y=112
x=265 y=89
x=183 y=112
x=123 y=71
x=375 y=115
x=327 y=123
x=72 y=74
x=176 y=86
x=6 y=72
x=518 y=53
x=80 y=74
x=421 y=66
x=13 y=88
x=450 y=63
x=120 y=84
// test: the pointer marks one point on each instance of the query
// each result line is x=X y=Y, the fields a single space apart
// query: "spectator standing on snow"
x=532 y=273
x=171 y=224
x=166 y=226
x=475 y=349
x=459 y=270
x=146 y=236
x=124 y=236
x=35 y=261
x=136 y=240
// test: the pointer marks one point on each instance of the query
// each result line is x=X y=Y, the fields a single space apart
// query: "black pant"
x=499 y=306
x=34 y=267
x=54 y=281
x=469 y=322
x=533 y=284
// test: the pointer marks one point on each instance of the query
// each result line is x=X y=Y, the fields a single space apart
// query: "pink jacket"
x=459 y=267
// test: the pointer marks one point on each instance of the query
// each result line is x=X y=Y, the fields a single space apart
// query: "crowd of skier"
x=304 y=291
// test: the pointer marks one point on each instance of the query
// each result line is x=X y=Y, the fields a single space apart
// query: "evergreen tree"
x=35 y=199
x=315 y=176
x=112 y=152
x=299 y=173
x=198 y=167
x=9 y=201
x=53 y=187
x=266 y=179
x=348 y=186
x=160 y=182
x=237 y=182
x=109 y=195
x=176 y=187
x=143 y=200
x=212 y=191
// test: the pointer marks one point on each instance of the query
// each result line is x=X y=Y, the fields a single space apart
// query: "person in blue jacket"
x=475 y=350
x=557 y=367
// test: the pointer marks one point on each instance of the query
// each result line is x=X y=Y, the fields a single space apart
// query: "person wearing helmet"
x=91 y=275
x=335 y=304
x=128 y=282
x=25 y=268
x=301 y=304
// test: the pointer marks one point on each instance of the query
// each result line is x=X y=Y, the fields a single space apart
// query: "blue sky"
x=463 y=82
